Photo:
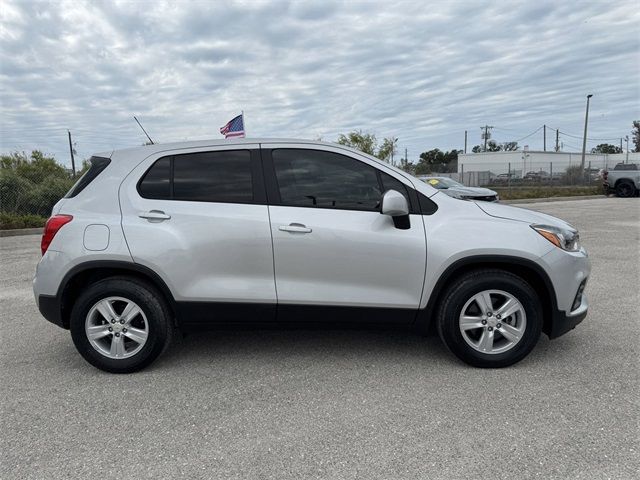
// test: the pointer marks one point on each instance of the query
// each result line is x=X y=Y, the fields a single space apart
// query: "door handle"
x=155 y=215
x=295 y=228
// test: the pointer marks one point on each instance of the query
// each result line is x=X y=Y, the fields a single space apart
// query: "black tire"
x=150 y=301
x=462 y=290
x=625 y=189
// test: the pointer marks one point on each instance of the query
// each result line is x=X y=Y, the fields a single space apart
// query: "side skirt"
x=203 y=315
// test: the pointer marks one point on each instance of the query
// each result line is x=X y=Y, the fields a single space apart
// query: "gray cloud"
x=421 y=72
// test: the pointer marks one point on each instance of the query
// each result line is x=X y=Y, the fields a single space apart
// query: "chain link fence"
x=534 y=174
x=29 y=188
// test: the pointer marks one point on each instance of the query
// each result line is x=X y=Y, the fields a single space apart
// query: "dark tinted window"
x=206 y=177
x=213 y=177
x=98 y=164
x=157 y=181
x=313 y=178
x=390 y=183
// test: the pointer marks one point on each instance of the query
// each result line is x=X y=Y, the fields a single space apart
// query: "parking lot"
x=333 y=404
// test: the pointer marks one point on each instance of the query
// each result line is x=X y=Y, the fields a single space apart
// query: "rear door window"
x=223 y=176
x=213 y=177
x=157 y=181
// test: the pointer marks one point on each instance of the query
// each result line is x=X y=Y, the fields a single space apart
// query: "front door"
x=332 y=246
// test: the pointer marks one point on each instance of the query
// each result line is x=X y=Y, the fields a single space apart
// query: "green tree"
x=436 y=160
x=388 y=149
x=31 y=185
x=36 y=168
x=368 y=143
x=493 y=146
x=635 y=134
x=606 y=148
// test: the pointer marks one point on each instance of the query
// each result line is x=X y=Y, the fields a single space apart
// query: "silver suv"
x=185 y=236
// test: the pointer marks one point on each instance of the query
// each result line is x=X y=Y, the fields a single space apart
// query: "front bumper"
x=568 y=273
x=565 y=322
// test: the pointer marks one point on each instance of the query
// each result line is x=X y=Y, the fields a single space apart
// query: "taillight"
x=52 y=226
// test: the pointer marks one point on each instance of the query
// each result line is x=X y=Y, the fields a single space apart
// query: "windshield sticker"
x=434 y=181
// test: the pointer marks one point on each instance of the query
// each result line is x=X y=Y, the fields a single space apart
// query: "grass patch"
x=515 y=193
x=11 y=221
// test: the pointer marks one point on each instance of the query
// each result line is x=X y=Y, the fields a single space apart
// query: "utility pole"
x=584 y=139
x=73 y=160
x=486 y=135
x=465 y=141
x=626 y=137
x=557 y=139
x=406 y=158
x=621 y=146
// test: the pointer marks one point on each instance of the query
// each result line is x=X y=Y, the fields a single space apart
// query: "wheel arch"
x=624 y=180
x=87 y=273
x=526 y=269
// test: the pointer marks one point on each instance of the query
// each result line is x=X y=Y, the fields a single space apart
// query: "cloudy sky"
x=421 y=71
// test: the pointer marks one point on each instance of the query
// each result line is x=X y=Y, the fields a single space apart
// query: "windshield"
x=441 y=182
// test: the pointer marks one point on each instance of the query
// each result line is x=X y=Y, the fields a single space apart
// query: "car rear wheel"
x=120 y=325
x=490 y=318
x=625 y=189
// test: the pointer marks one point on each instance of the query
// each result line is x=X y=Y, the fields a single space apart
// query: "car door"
x=333 y=249
x=199 y=219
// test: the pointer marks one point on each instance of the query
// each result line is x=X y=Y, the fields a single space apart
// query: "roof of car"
x=160 y=147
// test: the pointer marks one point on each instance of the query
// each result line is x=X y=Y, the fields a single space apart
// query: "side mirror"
x=395 y=205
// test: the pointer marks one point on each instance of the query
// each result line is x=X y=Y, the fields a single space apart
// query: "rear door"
x=199 y=219
x=332 y=246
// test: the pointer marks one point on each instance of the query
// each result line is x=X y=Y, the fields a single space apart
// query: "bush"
x=44 y=196
x=9 y=221
x=574 y=174
x=31 y=185
x=13 y=192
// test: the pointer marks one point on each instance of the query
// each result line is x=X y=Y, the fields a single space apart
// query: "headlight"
x=564 y=238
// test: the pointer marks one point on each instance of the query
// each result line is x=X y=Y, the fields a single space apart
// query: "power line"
x=588 y=138
x=532 y=133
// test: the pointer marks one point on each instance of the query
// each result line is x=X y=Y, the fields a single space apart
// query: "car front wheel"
x=120 y=325
x=490 y=318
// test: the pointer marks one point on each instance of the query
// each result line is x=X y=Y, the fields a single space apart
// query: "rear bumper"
x=51 y=309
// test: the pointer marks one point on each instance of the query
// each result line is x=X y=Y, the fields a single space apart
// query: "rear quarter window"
x=98 y=164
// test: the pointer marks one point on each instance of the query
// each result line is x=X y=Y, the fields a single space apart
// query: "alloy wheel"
x=492 y=321
x=116 y=327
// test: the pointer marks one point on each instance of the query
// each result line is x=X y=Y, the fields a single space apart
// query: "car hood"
x=499 y=210
x=469 y=191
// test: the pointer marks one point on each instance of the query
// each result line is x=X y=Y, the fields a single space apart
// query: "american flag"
x=234 y=128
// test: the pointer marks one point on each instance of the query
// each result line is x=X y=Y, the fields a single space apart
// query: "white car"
x=458 y=190
x=190 y=235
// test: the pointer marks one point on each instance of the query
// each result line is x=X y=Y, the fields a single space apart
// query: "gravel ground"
x=333 y=404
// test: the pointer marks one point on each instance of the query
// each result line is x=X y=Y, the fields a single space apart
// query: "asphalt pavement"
x=278 y=404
